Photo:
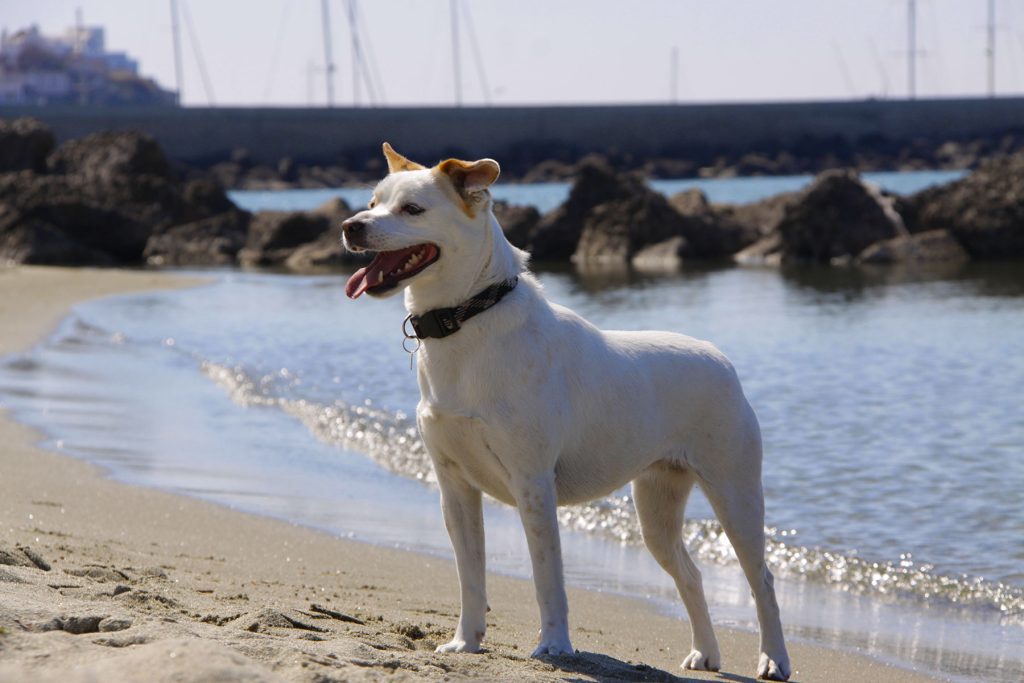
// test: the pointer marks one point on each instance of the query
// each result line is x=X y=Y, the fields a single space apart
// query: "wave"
x=393 y=442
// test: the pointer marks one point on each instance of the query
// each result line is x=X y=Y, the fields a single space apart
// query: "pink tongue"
x=357 y=284
x=382 y=264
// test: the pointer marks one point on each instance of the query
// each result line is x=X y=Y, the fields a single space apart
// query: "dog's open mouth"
x=388 y=268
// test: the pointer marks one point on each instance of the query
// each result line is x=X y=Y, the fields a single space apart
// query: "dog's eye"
x=413 y=209
x=373 y=203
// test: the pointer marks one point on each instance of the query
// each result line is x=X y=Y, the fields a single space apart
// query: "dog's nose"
x=353 y=228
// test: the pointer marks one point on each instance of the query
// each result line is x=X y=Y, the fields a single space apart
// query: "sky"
x=271 y=52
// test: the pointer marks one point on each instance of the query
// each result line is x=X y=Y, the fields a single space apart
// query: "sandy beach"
x=104 y=581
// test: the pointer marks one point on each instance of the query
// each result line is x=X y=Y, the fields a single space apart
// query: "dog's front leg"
x=463 y=517
x=536 y=500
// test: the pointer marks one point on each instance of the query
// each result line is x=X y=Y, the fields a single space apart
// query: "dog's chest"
x=460 y=446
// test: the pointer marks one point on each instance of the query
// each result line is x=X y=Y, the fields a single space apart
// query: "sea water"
x=889 y=402
x=546 y=196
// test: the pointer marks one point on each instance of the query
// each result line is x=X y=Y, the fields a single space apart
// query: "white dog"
x=535 y=406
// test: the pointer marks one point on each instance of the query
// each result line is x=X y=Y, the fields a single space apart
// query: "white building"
x=71 y=68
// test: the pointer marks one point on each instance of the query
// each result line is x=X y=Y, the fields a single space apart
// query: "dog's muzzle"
x=355 y=233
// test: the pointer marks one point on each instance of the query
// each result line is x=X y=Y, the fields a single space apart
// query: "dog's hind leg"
x=738 y=502
x=463 y=517
x=660 y=495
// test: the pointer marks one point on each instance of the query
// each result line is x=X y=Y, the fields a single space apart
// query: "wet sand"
x=104 y=581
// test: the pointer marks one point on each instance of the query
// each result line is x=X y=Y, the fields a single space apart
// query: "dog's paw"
x=773 y=669
x=698 y=661
x=554 y=647
x=458 y=646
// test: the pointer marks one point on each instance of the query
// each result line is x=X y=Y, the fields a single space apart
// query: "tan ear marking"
x=468 y=180
x=397 y=162
x=470 y=176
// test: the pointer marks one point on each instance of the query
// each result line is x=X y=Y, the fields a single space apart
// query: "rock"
x=665 y=255
x=54 y=624
x=274 y=235
x=755 y=165
x=714 y=235
x=616 y=231
x=327 y=251
x=410 y=630
x=958 y=154
x=35 y=558
x=262 y=178
x=516 y=221
x=111 y=154
x=37 y=242
x=709 y=232
x=13 y=557
x=226 y=174
x=265 y=619
x=111 y=624
x=720 y=168
x=204 y=197
x=153 y=573
x=213 y=241
x=670 y=168
x=113 y=219
x=282 y=229
x=334 y=208
x=690 y=202
x=81 y=624
x=837 y=217
x=108 y=194
x=761 y=217
x=765 y=251
x=123 y=641
x=22 y=556
x=557 y=234
x=934 y=246
x=24 y=145
x=324 y=176
x=984 y=211
x=549 y=171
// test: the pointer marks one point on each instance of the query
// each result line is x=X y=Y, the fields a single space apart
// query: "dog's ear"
x=396 y=162
x=470 y=177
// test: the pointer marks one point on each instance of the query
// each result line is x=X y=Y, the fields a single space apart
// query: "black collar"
x=441 y=322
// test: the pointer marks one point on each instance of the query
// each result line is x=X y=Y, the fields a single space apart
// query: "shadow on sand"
x=594 y=666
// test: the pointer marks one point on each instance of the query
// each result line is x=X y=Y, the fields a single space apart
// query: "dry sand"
x=101 y=581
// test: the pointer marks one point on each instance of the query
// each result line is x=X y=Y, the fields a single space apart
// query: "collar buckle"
x=442 y=322
x=437 y=323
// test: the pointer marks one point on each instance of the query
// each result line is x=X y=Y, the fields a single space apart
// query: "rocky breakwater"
x=983 y=212
x=830 y=222
x=114 y=199
x=840 y=219
x=614 y=219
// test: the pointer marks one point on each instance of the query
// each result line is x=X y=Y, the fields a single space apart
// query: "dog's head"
x=424 y=223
